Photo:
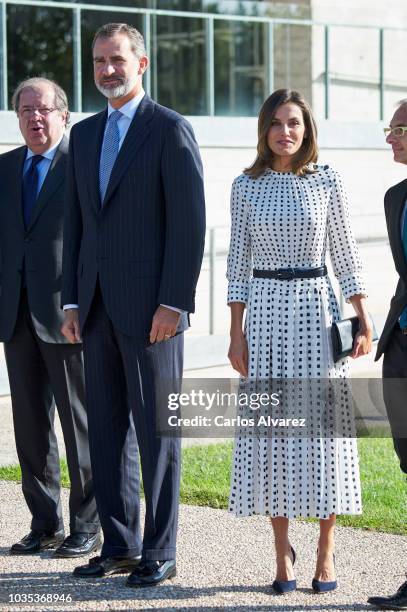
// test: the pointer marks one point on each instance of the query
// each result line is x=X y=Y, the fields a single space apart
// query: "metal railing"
x=209 y=20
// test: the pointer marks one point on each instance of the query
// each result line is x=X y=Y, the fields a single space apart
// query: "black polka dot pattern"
x=281 y=220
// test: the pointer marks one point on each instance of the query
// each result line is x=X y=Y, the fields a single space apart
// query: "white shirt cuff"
x=67 y=306
x=173 y=308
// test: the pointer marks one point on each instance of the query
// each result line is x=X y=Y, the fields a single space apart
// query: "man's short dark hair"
x=136 y=39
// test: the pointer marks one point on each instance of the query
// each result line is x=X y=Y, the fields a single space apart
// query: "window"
x=240 y=70
x=39 y=44
x=178 y=64
x=293 y=58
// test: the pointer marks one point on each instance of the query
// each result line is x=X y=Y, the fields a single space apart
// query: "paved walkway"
x=224 y=563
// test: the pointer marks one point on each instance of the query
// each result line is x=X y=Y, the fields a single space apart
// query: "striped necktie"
x=110 y=150
x=403 y=317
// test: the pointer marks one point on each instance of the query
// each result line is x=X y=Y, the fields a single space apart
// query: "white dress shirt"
x=44 y=165
x=128 y=111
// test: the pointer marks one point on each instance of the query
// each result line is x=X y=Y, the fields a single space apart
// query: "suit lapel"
x=18 y=168
x=395 y=212
x=95 y=146
x=54 y=178
x=137 y=133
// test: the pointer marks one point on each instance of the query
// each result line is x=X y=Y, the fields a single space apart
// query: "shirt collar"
x=129 y=109
x=50 y=154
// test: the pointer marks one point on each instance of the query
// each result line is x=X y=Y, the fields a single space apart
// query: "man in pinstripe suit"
x=134 y=235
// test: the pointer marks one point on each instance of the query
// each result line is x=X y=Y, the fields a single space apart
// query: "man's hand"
x=165 y=323
x=70 y=327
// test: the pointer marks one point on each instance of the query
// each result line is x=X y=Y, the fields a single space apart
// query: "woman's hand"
x=238 y=353
x=363 y=342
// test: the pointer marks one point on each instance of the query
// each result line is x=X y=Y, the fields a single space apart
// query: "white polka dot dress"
x=281 y=220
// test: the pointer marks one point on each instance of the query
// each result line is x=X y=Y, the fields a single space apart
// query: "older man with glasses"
x=393 y=341
x=43 y=368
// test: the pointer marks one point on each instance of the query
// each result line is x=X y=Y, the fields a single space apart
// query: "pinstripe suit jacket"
x=145 y=243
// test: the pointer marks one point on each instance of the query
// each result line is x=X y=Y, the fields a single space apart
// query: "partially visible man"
x=135 y=225
x=43 y=368
x=393 y=341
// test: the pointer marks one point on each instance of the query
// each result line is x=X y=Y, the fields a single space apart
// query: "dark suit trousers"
x=120 y=377
x=395 y=392
x=42 y=374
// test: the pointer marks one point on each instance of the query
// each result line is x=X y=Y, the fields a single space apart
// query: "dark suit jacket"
x=38 y=248
x=394 y=201
x=145 y=243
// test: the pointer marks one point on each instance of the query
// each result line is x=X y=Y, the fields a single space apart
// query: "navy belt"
x=290 y=273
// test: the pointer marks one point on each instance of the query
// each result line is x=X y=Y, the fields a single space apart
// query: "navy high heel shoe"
x=285 y=586
x=323 y=587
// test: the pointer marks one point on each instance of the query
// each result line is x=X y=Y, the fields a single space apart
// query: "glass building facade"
x=208 y=57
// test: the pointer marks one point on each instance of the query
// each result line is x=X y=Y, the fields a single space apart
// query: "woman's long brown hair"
x=308 y=153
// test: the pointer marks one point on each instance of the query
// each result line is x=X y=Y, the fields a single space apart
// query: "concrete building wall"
x=354 y=57
x=392 y=13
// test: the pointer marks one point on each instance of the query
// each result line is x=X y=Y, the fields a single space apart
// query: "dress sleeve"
x=345 y=257
x=239 y=265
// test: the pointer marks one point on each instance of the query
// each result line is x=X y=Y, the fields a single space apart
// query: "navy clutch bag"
x=343 y=336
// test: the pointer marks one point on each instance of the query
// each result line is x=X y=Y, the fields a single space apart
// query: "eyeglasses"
x=398 y=131
x=28 y=111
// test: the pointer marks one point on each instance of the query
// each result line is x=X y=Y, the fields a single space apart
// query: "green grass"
x=384 y=489
x=206 y=477
x=13 y=472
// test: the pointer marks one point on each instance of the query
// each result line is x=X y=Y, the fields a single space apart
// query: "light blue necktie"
x=403 y=318
x=110 y=149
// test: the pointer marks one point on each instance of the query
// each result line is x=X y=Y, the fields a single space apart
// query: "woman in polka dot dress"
x=287 y=212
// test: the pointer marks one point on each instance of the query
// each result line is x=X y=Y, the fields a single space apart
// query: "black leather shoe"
x=36 y=541
x=150 y=573
x=78 y=544
x=398 y=601
x=99 y=567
